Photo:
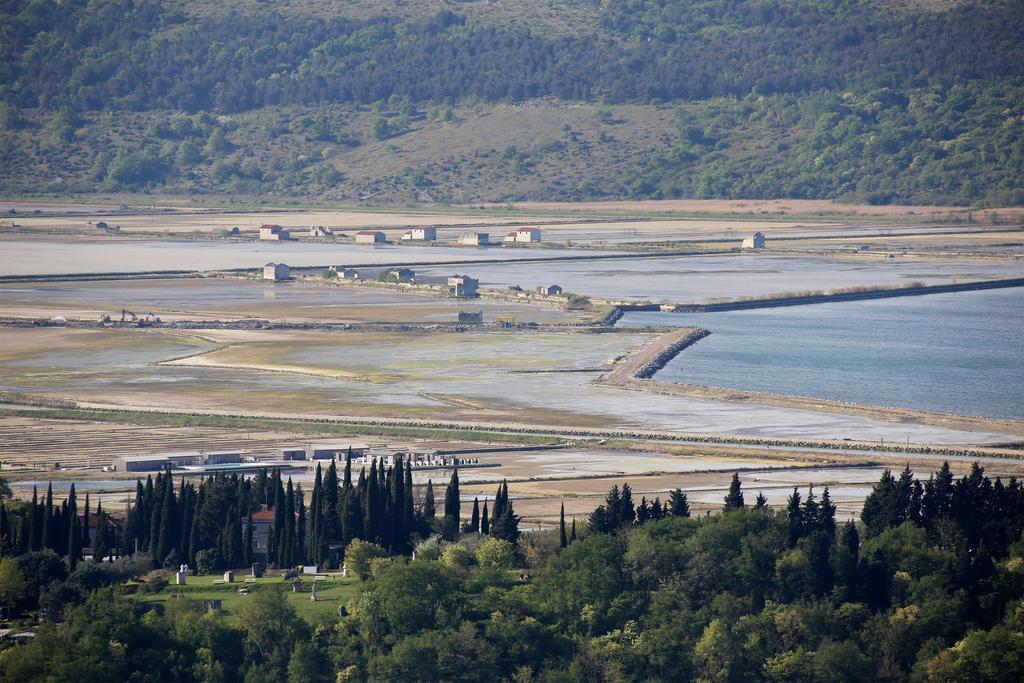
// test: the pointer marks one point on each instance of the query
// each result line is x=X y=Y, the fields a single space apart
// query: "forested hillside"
x=832 y=98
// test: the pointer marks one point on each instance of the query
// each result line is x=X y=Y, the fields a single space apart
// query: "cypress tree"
x=155 y=508
x=428 y=502
x=47 y=539
x=278 y=531
x=74 y=531
x=347 y=481
x=33 y=537
x=332 y=515
x=563 y=541
x=234 y=556
x=100 y=547
x=474 y=520
x=286 y=539
x=168 y=535
x=408 y=506
x=485 y=523
x=300 y=526
x=370 y=505
x=313 y=525
x=396 y=508
x=24 y=535
x=85 y=522
x=734 y=499
x=247 y=542
x=504 y=524
x=452 y=502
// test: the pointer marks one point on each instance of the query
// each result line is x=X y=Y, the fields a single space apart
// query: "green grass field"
x=331 y=593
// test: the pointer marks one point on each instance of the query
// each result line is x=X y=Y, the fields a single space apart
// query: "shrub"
x=358 y=555
x=495 y=552
x=455 y=556
x=208 y=561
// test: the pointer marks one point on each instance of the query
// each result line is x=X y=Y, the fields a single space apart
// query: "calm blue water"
x=958 y=353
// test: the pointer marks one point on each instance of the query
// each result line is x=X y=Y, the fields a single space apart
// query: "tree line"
x=927 y=586
x=209 y=524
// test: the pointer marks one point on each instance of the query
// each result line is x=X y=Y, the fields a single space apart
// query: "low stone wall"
x=848 y=296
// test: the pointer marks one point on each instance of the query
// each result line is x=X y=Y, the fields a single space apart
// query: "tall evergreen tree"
x=563 y=540
x=734 y=499
x=474 y=520
x=678 y=505
x=74 y=530
x=827 y=515
x=100 y=544
x=795 y=514
x=34 y=539
x=485 y=523
x=428 y=502
x=47 y=540
x=504 y=522
x=452 y=501
x=301 y=555
x=247 y=542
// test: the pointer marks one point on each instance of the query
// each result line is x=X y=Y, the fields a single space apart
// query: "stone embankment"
x=832 y=297
x=644 y=362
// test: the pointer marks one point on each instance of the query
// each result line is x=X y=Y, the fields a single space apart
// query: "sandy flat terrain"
x=783 y=206
x=232 y=299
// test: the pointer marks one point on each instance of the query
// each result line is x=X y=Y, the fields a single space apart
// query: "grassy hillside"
x=480 y=101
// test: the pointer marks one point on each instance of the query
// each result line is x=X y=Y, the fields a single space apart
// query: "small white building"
x=274 y=233
x=276 y=272
x=755 y=241
x=428 y=234
x=402 y=275
x=474 y=239
x=346 y=273
x=370 y=237
x=463 y=286
x=321 y=231
x=549 y=290
x=523 y=235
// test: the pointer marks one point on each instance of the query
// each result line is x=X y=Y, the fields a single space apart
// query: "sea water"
x=957 y=353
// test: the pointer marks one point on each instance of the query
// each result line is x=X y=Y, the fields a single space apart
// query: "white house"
x=402 y=275
x=428 y=234
x=274 y=233
x=523 y=235
x=276 y=272
x=370 y=237
x=474 y=239
x=463 y=286
x=755 y=241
